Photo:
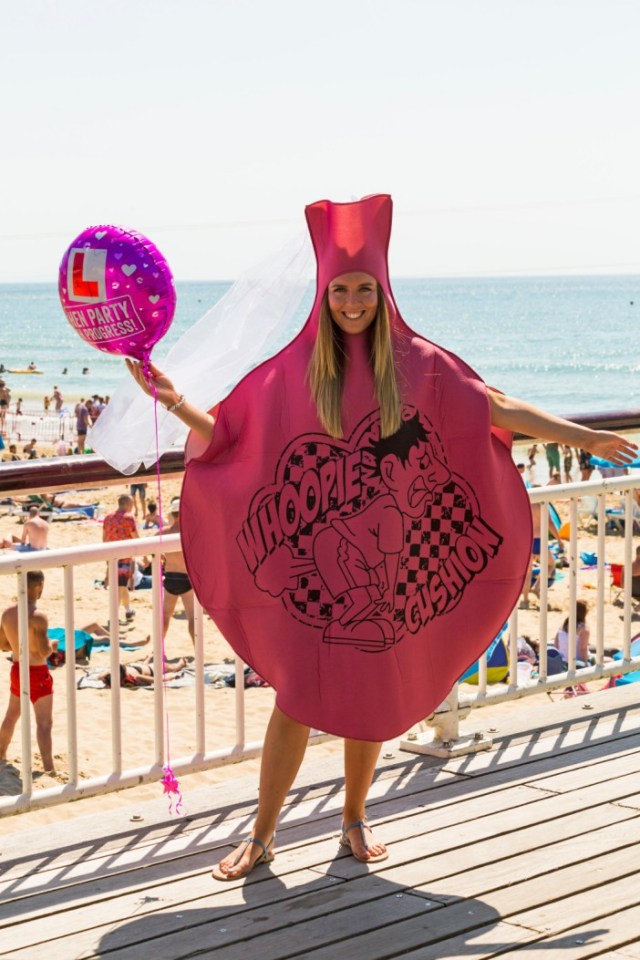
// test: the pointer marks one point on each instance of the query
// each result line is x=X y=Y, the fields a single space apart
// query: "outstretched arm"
x=193 y=417
x=520 y=417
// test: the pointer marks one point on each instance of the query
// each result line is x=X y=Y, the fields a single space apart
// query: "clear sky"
x=507 y=131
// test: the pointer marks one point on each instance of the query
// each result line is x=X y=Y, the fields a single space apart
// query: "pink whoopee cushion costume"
x=360 y=576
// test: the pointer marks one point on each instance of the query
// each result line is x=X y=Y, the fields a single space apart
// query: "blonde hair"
x=326 y=370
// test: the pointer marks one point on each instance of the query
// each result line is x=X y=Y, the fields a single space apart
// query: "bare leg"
x=360 y=758
x=187 y=602
x=284 y=747
x=8 y=725
x=526 y=588
x=169 y=606
x=125 y=600
x=43 y=709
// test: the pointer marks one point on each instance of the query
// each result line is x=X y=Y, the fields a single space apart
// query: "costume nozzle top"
x=350 y=237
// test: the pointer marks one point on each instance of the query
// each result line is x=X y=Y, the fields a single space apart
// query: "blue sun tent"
x=497 y=662
x=629 y=677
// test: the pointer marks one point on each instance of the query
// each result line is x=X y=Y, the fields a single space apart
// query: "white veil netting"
x=254 y=319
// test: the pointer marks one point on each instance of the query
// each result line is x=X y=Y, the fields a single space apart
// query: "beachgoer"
x=35 y=534
x=32 y=366
x=567 y=459
x=635 y=575
x=97 y=407
x=62 y=448
x=358 y=416
x=175 y=579
x=13 y=451
x=552 y=451
x=142 y=570
x=151 y=519
x=561 y=641
x=83 y=422
x=19 y=407
x=584 y=462
x=120 y=525
x=5 y=399
x=529 y=587
x=46 y=402
x=523 y=473
x=138 y=491
x=58 y=399
x=142 y=672
x=40 y=679
x=30 y=449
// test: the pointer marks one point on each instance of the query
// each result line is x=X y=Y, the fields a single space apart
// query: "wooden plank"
x=615 y=891
x=212 y=837
x=79 y=933
x=554 y=816
x=224 y=830
x=189 y=890
x=537 y=861
x=205 y=928
x=592 y=773
x=611 y=738
x=485 y=943
x=607 y=735
x=480 y=816
x=632 y=802
x=465 y=917
x=583 y=941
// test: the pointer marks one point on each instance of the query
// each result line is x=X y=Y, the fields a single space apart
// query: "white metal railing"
x=117 y=778
x=446 y=721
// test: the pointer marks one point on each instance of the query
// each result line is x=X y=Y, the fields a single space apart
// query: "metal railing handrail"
x=90 y=470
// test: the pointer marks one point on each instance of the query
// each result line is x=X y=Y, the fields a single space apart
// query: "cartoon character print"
x=367 y=538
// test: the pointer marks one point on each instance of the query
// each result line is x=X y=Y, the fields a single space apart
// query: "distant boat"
x=24 y=371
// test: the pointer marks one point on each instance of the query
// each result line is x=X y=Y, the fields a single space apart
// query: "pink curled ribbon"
x=169 y=782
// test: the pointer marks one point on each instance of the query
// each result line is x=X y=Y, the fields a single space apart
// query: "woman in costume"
x=366 y=526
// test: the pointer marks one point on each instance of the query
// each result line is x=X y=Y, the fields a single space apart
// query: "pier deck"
x=531 y=850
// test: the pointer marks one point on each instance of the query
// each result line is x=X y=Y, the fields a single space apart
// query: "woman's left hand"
x=612 y=447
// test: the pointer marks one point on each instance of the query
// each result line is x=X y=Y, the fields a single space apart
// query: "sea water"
x=567 y=344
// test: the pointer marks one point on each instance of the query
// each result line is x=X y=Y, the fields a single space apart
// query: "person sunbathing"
x=142 y=672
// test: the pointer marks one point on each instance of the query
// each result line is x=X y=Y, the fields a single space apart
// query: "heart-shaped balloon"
x=117 y=290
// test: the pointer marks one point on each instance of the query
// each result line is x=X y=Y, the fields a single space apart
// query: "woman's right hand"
x=197 y=420
x=167 y=394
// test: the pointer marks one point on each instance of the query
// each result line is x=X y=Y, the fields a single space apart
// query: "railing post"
x=25 y=702
x=445 y=739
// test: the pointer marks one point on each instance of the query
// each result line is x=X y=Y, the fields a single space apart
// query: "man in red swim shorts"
x=40 y=680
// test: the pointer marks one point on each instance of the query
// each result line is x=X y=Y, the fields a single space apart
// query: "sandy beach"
x=93 y=705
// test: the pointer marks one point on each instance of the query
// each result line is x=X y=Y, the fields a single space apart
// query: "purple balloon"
x=117 y=291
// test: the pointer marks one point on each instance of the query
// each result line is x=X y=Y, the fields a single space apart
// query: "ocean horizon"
x=558 y=342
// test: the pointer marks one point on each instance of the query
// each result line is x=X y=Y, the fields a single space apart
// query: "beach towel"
x=359 y=576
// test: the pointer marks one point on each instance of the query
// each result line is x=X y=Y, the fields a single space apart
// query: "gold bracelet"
x=174 y=406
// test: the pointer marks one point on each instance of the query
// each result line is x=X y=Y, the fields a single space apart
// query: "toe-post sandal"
x=345 y=842
x=267 y=856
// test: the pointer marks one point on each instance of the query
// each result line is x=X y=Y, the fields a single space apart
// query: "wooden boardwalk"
x=529 y=851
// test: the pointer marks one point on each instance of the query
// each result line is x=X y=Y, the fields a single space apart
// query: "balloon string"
x=169 y=782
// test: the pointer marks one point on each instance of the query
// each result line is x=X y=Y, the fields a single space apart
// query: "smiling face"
x=353 y=301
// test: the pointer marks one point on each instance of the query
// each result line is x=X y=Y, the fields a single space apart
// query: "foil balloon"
x=117 y=291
